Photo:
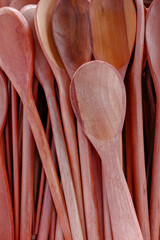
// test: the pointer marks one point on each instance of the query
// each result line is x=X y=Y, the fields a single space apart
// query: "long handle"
x=64 y=166
x=71 y=141
x=16 y=177
x=27 y=181
x=122 y=214
x=89 y=188
x=6 y=220
x=155 y=190
x=47 y=161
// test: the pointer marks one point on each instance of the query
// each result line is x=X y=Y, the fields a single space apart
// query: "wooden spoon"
x=43 y=19
x=6 y=220
x=101 y=110
x=46 y=78
x=13 y=26
x=152 y=42
x=113 y=31
x=70 y=29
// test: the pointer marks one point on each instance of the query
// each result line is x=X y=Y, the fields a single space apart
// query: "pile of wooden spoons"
x=80 y=120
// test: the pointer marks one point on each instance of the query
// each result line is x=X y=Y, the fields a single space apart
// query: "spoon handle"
x=41 y=186
x=16 y=172
x=47 y=161
x=155 y=197
x=122 y=214
x=64 y=165
x=89 y=188
x=53 y=224
x=46 y=214
x=27 y=181
x=6 y=220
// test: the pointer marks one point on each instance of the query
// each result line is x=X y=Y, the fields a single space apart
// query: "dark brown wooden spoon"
x=6 y=220
x=13 y=26
x=101 y=110
x=152 y=42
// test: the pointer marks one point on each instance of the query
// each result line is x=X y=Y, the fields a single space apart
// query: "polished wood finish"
x=6 y=220
x=113 y=31
x=20 y=72
x=152 y=42
x=101 y=111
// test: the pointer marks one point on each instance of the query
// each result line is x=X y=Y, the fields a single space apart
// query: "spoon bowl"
x=101 y=111
x=113 y=31
x=16 y=41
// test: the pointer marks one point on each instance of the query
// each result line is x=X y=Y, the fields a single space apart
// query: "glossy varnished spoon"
x=46 y=78
x=100 y=111
x=15 y=29
x=6 y=220
x=153 y=53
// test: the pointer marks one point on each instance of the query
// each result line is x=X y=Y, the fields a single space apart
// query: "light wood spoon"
x=152 y=42
x=101 y=111
x=15 y=29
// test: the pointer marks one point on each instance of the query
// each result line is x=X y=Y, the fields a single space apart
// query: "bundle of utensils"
x=79 y=120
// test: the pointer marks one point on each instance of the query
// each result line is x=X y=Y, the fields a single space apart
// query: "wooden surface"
x=20 y=72
x=113 y=29
x=101 y=111
x=152 y=42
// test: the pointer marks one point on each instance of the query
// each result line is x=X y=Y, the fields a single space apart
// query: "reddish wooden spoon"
x=152 y=42
x=13 y=26
x=6 y=220
x=43 y=19
x=113 y=31
x=70 y=29
x=46 y=78
x=101 y=110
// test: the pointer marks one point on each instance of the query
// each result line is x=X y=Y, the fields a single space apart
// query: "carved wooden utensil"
x=113 y=31
x=6 y=220
x=46 y=78
x=153 y=53
x=13 y=26
x=70 y=30
x=43 y=19
x=19 y=4
x=100 y=111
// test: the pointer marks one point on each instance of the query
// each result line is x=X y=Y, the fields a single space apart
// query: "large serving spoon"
x=70 y=30
x=43 y=19
x=13 y=26
x=100 y=111
x=6 y=220
x=46 y=78
x=152 y=42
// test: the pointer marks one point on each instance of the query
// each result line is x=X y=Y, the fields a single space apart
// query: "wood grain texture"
x=6 y=220
x=152 y=42
x=101 y=111
x=113 y=29
x=134 y=127
x=20 y=72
